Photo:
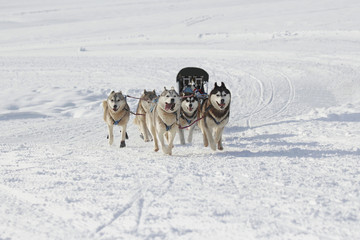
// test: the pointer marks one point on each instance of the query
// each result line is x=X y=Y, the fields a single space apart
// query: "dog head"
x=148 y=95
x=116 y=101
x=220 y=97
x=189 y=104
x=169 y=100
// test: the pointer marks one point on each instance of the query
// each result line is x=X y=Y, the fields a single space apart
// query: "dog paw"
x=122 y=144
x=220 y=148
x=156 y=149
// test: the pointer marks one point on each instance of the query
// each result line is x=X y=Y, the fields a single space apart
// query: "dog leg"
x=153 y=133
x=210 y=139
x=181 y=135
x=191 y=132
x=111 y=135
x=202 y=128
x=144 y=131
x=149 y=134
x=127 y=136
x=171 y=140
x=123 y=136
x=218 y=138
x=162 y=142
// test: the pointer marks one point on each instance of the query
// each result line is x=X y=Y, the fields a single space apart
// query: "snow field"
x=290 y=167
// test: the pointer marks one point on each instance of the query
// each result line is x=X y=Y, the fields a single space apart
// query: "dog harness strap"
x=168 y=127
x=218 y=123
x=116 y=122
x=186 y=119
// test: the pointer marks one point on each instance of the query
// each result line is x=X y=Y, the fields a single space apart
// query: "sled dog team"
x=159 y=118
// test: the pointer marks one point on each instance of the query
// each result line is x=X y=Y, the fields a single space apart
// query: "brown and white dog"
x=143 y=107
x=215 y=114
x=116 y=112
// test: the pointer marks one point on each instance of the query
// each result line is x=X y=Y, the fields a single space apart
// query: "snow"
x=290 y=168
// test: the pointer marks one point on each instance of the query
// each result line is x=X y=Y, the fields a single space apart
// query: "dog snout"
x=115 y=106
x=190 y=105
x=222 y=101
x=172 y=100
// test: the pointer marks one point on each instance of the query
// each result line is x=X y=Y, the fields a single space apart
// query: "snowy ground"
x=291 y=164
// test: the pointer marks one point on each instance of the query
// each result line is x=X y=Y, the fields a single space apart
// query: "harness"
x=187 y=118
x=218 y=123
x=167 y=127
x=116 y=122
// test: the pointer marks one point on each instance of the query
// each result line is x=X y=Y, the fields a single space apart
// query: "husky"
x=163 y=119
x=144 y=107
x=116 y=112
x=214 y=114
x=188 y=115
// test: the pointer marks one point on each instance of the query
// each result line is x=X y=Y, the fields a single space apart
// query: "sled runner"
x=192 y=80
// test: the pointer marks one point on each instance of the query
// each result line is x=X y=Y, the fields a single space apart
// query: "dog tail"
x=105 y=106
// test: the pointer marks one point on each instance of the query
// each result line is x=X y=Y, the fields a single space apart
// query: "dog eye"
x=112 y=100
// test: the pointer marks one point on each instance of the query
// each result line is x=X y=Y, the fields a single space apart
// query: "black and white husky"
x=188 y=115
x=215 y=113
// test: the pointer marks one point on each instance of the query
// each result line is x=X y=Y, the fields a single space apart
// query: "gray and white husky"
x=188 y=115
x=215 y=113
x=116 y=112
x=143 y=107
x=163 y=119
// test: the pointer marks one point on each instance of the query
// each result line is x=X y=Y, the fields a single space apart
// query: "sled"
x=192 y=80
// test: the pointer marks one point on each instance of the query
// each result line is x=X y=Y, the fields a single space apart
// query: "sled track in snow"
x=262 y=103
x=290 y=98
x=265 y=93
x=271 y=100
x=140 y=199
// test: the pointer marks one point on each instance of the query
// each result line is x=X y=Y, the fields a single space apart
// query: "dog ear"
x=154 y=91
x=120 y=92
x=222 y=84
x=112 y=92
x=215 y=85
x=165 y=89
x=144 y=90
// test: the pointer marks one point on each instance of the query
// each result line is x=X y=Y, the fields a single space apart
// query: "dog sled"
x=193 y=81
